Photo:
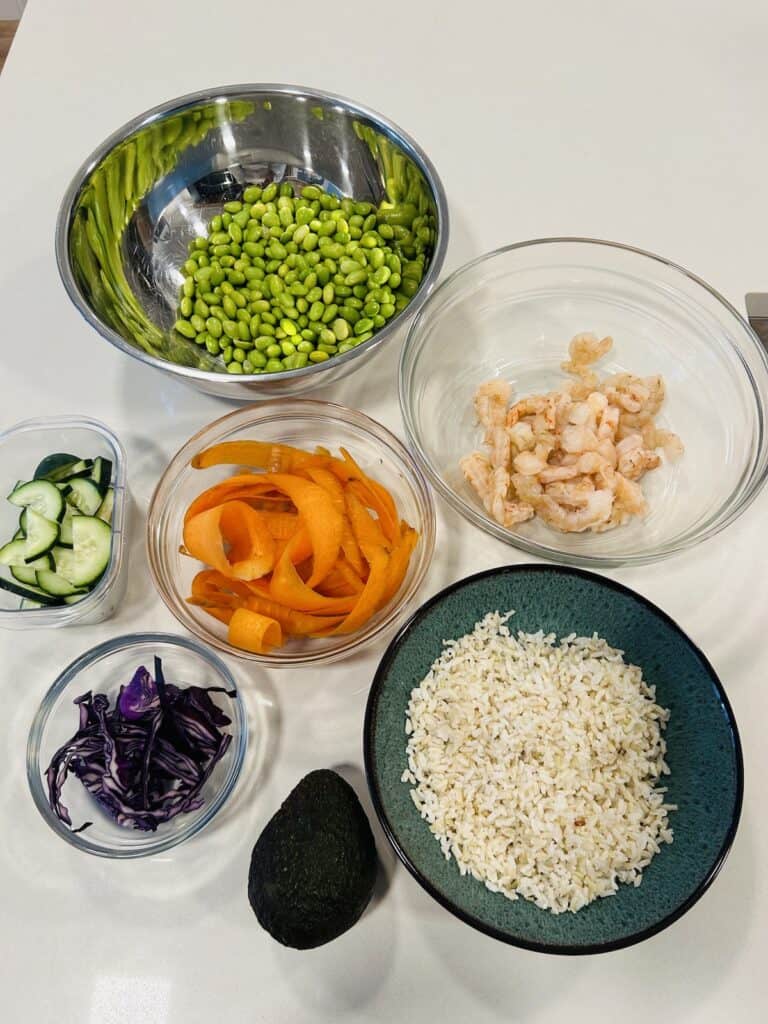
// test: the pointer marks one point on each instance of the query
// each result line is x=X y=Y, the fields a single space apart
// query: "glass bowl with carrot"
x=290 y=532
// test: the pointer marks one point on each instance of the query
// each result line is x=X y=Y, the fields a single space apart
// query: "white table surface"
x=642 y=122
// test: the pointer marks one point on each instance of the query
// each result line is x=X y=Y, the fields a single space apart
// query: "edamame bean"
x=284 y=280
x=185 y=328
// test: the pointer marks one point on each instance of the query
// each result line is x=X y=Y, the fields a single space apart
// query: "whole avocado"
x=313 y=867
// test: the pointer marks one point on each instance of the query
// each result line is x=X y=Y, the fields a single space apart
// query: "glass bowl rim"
x=125 y=642
x=281 y=408
x=728 y=513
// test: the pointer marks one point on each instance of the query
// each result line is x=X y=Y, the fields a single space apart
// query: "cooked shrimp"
x=584 y=350
x=634 y=459
x=534 y=405
x=609 y=422
x=497 y=439
x=578 y=439
x=477 y=471
x=517 y=512
x=526 y=488
x=571 y=492
x=581 y=415
x=572 y=456
x=491 y=484
x=629 y=496
x=521 y=436
x=491 y=400
x=594 y=509
x=529 y=463
x=498 y=498
x=671 y=443
x=555 y=473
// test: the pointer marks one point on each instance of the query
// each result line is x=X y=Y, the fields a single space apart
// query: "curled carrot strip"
x=233 y=538
x=276 y=458
x=308 y=545
x=253 y=632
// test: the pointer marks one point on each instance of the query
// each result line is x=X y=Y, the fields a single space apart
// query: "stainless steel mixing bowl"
x=148 y=190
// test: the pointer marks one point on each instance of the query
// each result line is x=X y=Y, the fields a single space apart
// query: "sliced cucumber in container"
x=27 y=573
x=90 y=553
x=82 y=468
x=84 y=495
x=107 y=506
x=41 y=535
x=101 y=474
x=41 y=495
x=29 y=592
x=64 y=541
x=65 y=528
x=55 y=585
x=54 y=467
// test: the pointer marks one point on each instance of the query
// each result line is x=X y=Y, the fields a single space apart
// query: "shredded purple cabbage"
x=148 y=759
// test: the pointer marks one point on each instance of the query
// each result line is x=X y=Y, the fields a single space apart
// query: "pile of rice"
x=536 y=764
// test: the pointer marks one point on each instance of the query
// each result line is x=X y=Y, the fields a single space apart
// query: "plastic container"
x=21 y=449
x=104 y=669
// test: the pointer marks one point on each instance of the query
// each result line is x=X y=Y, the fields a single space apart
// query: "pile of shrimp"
x=575 y=456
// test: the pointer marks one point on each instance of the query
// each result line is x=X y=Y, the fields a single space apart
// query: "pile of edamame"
x=283 y=281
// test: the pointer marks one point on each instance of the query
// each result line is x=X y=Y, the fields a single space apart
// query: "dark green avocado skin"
x=314 y=866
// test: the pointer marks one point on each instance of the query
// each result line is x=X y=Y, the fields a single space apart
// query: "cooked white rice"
x=536 y=764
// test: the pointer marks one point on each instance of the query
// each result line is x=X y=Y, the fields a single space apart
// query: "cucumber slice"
x=28 y=573
x=106 y=508
x=26 y=603
x=42 y=534
x=14 y=553
x=82 y=468
x=84 y=496
x=89 y=557
x=55 y=585
x=41 y=495
x=55 y=464
x=32 y=593
x=65 y=527
x=101 y=474
x=23 y=574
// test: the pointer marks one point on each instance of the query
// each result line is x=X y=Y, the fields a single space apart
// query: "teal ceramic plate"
x=704 y=754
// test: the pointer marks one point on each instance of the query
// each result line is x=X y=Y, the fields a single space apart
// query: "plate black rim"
x=475 y=922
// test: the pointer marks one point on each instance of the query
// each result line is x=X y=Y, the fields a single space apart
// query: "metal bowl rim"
x=222 y=95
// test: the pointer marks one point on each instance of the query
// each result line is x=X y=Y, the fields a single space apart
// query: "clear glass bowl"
x=103 y=669
x=511 y=314
x=21 y=449
x=304 y=424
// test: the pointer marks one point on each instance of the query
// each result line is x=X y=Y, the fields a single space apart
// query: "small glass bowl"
x=104 y=669
x=304 y=424
x=21 y=449
x=511 y=314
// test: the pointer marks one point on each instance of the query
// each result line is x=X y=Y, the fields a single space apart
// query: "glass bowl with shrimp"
x=571 y=397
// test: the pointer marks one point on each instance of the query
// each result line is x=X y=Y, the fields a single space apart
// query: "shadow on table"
x=388 y=862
